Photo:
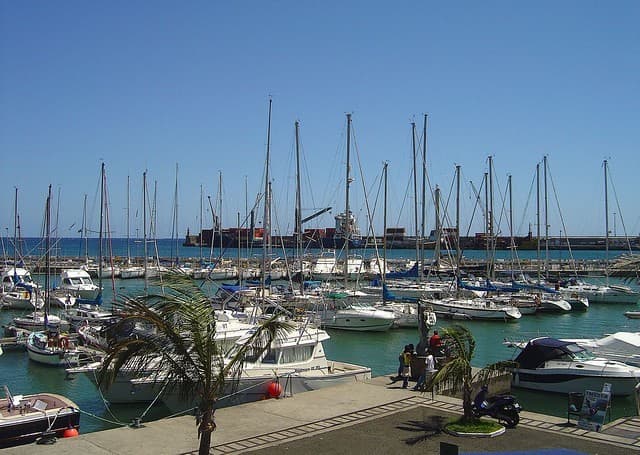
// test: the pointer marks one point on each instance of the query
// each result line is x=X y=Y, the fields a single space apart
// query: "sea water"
x=378 y=350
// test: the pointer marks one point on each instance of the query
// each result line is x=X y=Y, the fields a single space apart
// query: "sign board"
x=594 y=409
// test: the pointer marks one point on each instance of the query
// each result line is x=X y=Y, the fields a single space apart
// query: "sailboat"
x=608 y=293
x=339 y=311
x=129 y=270
x=18 y=288
x=90 y=310
x=49 y=346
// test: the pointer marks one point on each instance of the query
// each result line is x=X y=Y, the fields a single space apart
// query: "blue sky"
x=144 y=85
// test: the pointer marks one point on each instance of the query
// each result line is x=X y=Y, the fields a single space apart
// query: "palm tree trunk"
x=206 y=428
x=466 y=402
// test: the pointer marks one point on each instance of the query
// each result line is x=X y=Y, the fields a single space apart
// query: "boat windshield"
x=579 y=353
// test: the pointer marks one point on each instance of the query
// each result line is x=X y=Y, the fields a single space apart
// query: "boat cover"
x=540 y=350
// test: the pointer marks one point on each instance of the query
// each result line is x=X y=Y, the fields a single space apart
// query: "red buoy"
x=274 y=390
x=70 y=433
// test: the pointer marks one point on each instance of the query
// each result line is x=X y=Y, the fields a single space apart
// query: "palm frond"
x=493 y=371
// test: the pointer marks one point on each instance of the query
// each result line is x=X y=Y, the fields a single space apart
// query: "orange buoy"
x=274 y=390
x=70 y=433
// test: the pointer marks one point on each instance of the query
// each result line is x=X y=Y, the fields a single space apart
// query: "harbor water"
x=376 y=350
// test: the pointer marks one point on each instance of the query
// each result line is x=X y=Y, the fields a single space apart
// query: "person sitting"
x=480 y=401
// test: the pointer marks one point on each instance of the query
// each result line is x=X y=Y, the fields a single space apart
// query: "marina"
x=378 y=351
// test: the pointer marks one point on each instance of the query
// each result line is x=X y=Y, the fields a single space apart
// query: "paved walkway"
x=372 y=418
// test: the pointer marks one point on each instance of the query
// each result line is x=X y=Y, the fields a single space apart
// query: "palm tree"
x=182 y=337
x=456 y=374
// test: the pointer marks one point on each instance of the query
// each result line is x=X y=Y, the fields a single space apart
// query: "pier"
x=374 y=417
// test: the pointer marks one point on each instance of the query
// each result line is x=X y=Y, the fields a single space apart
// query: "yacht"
x=603 y=294
x=620 y=346
x=130 y=387
x=293 y=364
x=338 y=311
x=78 y=283
x=563 y=366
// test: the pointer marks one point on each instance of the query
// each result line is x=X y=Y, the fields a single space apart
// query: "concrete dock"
x=374 y=417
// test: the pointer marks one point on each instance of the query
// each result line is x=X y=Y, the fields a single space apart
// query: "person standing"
x=435 y=343
x=406 y=366
x=429 y=370
x=401 y=362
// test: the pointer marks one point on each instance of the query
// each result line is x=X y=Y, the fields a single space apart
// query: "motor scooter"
x=504 y=408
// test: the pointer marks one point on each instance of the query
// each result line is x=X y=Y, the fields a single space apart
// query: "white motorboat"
x=603 y=294
x=15 y=275
x=553 y=303
x=25 y=418
x=78 y=283
x=52 y=348
x=325 y=267
x=338 y=312
x=620 y=346
x=87 y=314
x=406 y=314
x=131 y=271
x=293 y=364
x=553 y=365
x=127 y=388
x=22 y=299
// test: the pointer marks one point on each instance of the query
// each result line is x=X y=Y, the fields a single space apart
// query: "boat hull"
x=358 y=320
x=25 y=426
x=558 y=381
x=254 y=388
x=456 y=310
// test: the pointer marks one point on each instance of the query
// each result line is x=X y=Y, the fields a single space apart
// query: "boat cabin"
x=541 y=350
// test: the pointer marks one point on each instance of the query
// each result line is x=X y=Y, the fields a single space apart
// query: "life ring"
x=64 y=342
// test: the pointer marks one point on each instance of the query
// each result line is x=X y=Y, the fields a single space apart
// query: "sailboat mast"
x=436 y=252
x=85 y=240
x=102 y=177
x=144 y=229
x=200 y=241
x=512 y=243
x=266 y=225
x=175 y=217
x=15 y=233
x=415 y=198
x=128 y=223
x=220 y=210
x=546 y=220
x=487 y=235
x=347 y=212
x=606 y=221
x=492 y=247
x=383 y=267
x=458 y=251
x=424 y=190
x=298 y=213
x=47 y=253
x=538 y=219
